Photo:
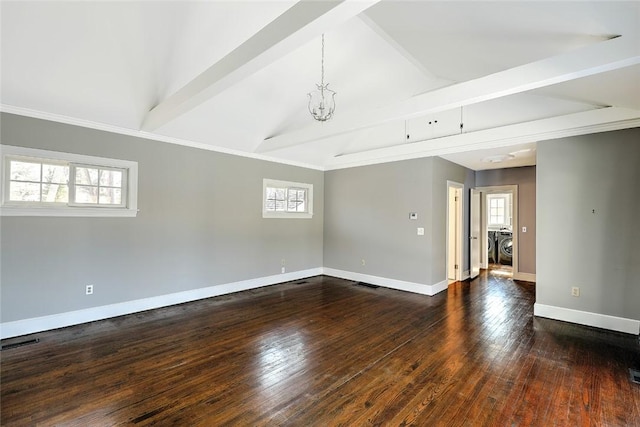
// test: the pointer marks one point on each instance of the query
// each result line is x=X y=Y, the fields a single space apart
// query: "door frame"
x=484 y=247
x=475 y=232
x=459 y=188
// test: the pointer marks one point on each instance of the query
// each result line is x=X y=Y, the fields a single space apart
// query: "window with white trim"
x=49 y=183
x=499 y=210
x=284 y=199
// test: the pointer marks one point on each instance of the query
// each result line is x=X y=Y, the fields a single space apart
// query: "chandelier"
x=321 y=101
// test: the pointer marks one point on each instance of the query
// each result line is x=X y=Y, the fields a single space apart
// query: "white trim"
x=76 y=211
x=525 y=277
x=401 y=285
x=26 y=112
x=604 y=321
x=130 y=193
x=593 y=121
x=54 y=321
x=459 y=220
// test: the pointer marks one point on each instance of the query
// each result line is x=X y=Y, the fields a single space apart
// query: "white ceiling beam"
x=593 y=59
x=600 y=120
x=298 y=25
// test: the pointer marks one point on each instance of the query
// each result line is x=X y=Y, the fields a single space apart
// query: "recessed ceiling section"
x=496 y=158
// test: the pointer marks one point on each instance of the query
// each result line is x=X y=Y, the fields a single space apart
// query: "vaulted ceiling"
x=234 y=75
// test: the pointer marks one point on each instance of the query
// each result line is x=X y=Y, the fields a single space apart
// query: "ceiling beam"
x=298 y=25
x=593 y=59
x=592 y=121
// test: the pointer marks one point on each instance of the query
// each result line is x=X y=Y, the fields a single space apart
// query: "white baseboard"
x=612 y=323
x=525 y=277
x=388 y=283
x=54 y=321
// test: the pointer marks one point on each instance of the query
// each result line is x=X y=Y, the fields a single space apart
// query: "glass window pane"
x=296 y=200
x=58 y=174
x=55 y=193
x=86 y=176
x=280 y=205
x=85 y=194
x=24 y=192
x=110 y=178
x=24 y=171
x=280 y=193
x=270 y=205
x=110 y=196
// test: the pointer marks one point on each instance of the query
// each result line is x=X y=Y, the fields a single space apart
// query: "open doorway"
x=499 y=218
x=499 y=225
x=454 y=231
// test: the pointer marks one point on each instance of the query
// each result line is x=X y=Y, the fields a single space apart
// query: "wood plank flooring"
x=328 y=353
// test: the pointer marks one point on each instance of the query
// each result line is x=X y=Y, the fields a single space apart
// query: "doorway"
x=455 y=206
x=499 y=229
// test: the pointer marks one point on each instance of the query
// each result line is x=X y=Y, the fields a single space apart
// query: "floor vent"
x=635 y=376
x=301 y=282
x=368 y=285
x=20 y=344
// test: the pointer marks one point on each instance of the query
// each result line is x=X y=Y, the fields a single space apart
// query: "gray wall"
x=367 y=217
x=525 y=179
x=599 y=252
x=200 y=224
x=443 y=171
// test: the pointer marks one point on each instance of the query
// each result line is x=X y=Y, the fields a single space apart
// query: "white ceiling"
x=233 y=76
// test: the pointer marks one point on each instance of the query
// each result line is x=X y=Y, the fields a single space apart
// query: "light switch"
x=524 y=229
x=420 y=231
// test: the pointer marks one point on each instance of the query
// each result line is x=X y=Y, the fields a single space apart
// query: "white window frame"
x=274 y=183
x=507 y=209
x=129 y=207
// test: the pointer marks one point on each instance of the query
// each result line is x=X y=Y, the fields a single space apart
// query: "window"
x=499 y=206
x=496 y=211
x=283 y=199
x=48 y=183
x=96 y=185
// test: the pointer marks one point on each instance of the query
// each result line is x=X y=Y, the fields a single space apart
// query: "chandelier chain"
x=322 y=63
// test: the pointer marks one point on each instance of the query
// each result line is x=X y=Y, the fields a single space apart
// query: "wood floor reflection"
x=326 y=353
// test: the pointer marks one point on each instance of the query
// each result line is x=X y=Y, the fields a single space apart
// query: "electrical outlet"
x=575 y=291
x=364 y=262
x=282 y=269
x=89 y=289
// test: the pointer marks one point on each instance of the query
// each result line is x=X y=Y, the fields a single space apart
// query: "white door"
x=452 y=235
x=474 y=234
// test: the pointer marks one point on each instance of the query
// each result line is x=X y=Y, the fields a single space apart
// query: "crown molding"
x=36 y=114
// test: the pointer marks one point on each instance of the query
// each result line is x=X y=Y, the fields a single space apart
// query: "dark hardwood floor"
x=328 y=353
